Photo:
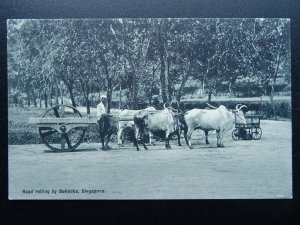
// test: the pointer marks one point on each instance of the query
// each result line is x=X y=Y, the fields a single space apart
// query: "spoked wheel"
x=256 y=133
x=62 y=139
x=235 y=134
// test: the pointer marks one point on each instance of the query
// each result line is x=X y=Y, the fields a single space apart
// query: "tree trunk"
x=28 y=99
x=56 y=95
x=50 y=96
x=70 y=89
x=34 y=98
x=274 y=81
x=109 y=94
x=272 y=101
x=182 y=85
x=134 y=98
x=168 y=83
x=230 y=89
x=152 y=84
x=179 y=92
x=46 y=99
x=88 y=106
x=40 y=97
x=209 y=95
x=50 y=100
x=163 y=66
x=163 y=82
x=120 y=96
x=202 y=86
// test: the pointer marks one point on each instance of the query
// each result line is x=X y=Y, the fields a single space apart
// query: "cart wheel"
x=57 y=141
x=235 y=134
x=257 y=133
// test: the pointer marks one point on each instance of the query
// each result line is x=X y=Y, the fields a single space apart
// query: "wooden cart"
x=249 y=131
x=62 y=127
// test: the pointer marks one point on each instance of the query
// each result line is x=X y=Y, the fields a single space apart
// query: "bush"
x=23 y=136
x=92 y=134
x=282 y=108
x=22 y=133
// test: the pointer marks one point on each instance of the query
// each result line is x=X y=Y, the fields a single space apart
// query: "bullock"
x=126 y=118
x=108 y=125
x=151 y=122
x=219 y=119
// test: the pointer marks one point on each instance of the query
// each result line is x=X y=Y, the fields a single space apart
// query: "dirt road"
x=241 y=170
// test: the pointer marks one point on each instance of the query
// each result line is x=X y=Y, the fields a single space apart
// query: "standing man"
x=101 y=107
x=108 y=124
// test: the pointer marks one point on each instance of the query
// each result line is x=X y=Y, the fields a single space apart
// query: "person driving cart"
x=101 y=107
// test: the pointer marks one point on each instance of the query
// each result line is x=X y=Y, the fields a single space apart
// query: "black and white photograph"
x=149 y=108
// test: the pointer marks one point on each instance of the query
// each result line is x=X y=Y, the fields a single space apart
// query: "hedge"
x=23 y=135
x=282 y=108
x=28 y=134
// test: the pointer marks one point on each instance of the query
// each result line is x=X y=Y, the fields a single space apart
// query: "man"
x=101 y=107
x=108 y=124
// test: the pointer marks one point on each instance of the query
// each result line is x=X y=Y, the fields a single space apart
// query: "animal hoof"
x=179 y=144
x=191 y=147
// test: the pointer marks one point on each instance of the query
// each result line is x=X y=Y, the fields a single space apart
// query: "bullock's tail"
x=182 y=121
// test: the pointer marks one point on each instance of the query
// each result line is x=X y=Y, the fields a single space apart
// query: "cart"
x=249 y=131
x=62 y=127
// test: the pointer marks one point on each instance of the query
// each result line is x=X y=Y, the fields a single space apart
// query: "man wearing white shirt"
x=108 y=124
x=101 y=107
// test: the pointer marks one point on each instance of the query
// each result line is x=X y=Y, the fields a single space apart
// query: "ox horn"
x=165 y=105
x=243 y=106
x=237 y=106
x=211 y=106
x=174 y=110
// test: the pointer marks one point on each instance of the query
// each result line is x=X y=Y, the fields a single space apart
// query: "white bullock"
x=219 y=119
x=165 y=120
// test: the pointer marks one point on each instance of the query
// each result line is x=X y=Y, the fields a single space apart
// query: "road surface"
x=242 y=170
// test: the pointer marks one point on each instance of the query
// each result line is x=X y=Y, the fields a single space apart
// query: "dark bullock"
x=108 y=125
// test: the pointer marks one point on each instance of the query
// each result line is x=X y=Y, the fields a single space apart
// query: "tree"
x=273 y=49
x=136 y=37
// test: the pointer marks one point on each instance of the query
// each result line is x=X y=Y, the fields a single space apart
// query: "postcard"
x=152 y=108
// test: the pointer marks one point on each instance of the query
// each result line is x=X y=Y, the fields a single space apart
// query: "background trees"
x=139 y=58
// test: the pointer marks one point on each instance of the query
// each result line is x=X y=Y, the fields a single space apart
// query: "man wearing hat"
x=101 y=107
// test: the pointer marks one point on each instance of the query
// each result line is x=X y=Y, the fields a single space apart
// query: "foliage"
x=23 y=136
x=49 y=58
